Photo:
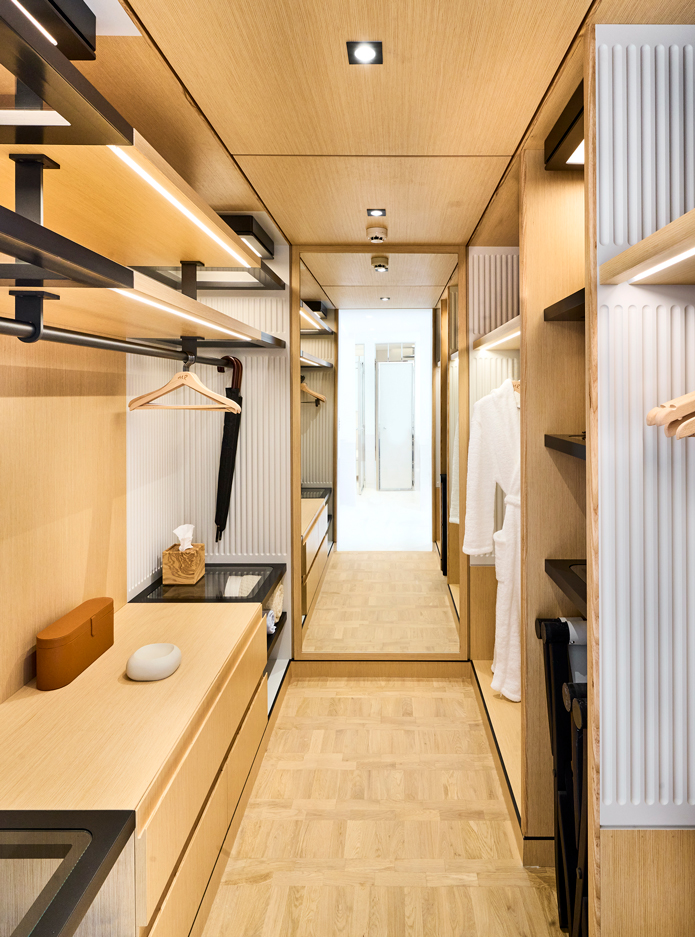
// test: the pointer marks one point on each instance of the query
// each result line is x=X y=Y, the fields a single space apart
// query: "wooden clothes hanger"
x=184 y=379
x=677 y=416
x=517 y=386
x=312 y=393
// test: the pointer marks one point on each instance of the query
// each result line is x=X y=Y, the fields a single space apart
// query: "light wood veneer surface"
x=99 y=742
x=505 y=719
x=377 y=811
x=382 y=603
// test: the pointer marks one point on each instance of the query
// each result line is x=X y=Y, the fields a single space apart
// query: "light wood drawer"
x=310 y=546
x=174 y=815
x=311 y=580
x=246 y=745
x=179 y=908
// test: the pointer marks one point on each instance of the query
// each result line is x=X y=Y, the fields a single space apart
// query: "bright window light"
x=500 y=340
x=36 y=23
x=129 y=161
x=662 y=266
x=181 y=315
x=577 y=158
x=19 y=117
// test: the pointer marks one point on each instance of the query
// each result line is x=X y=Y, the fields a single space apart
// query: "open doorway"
x=385 y=430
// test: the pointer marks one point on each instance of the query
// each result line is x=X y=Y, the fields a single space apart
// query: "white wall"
x=646 y=349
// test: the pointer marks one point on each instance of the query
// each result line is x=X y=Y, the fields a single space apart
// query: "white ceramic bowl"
x=153 y=662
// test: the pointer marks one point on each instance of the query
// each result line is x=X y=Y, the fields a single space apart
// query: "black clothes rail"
x=568 y=745
x=25 y=330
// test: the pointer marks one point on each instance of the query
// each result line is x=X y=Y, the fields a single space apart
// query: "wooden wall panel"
x=552 y=401
x=483 y=599
x=63 y=491
x=647 y=882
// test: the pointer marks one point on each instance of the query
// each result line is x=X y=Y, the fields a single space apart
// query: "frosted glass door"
x=395 y=421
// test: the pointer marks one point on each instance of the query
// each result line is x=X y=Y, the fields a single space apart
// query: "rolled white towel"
x=275 y=601
x=270 y=621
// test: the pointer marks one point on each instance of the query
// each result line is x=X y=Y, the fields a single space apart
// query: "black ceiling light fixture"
x=68 y=24
x=365 y=53
x=252 y=234
x=564 y=145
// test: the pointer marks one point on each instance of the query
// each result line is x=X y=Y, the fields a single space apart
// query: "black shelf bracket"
x=569 y=309
x=564 y=574
x=571 y=445
x=28 y=309
x=189 y=277
x=28 y=183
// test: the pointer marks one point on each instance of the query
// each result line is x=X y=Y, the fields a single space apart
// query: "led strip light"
x=181 y=315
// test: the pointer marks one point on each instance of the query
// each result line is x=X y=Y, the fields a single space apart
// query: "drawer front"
x=311 y=580
x=171 y=822
x=177 y=913
x=246 y=745
x=314 y=540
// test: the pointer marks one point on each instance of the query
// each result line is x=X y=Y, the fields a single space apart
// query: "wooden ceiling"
x=427 y=135
x=413 y=281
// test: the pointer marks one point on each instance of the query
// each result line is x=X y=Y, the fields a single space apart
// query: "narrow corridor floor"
x=377 y=812
x=382 y=603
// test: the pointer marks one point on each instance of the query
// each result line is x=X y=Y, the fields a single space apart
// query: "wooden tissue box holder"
x=183 y=569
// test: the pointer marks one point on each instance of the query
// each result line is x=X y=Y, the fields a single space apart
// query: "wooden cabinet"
x=310 y=582
x=312 y=540
x=176 y=751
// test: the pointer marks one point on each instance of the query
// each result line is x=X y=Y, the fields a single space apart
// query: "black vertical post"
x=444 y=524
x=189 y=277
x=28 y=184
x=28 y=307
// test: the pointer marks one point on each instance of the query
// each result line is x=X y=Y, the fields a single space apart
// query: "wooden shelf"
x=563 y=574
x=504 y=338
x=101 y=202
x=571 y=445
x=316 y=333
x=662 y=246
x=130 y=314
x=273 y=638
x=311 y=361
x=569 y=309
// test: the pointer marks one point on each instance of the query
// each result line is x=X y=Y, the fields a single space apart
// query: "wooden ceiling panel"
x=273 y=75
x=499 y=226
x=309 y=287
x=369 y=297
x=404 y=269
x=133 y=77
x=324 y=200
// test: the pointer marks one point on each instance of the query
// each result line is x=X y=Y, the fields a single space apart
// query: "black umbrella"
x=230 y=439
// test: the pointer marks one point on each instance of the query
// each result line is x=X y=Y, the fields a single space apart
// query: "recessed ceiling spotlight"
x=376 y=212
x=384 y=299
x=364 y=53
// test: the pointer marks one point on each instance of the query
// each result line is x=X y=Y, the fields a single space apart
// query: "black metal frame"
x=318 y=306
x=45 y=70
x=71 y=23
x=57 y=912
x=260 y=593
x=566 y=134
x=313 y=362
x=266 y=279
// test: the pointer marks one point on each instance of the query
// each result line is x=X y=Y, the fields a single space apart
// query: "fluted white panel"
x=490 y=369
x=493 y=287
x=317 y=422
x=646 y=350
x=154 y=472
x=173 y=456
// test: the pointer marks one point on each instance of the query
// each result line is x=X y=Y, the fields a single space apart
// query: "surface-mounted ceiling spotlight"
x=364 y=53
x=376 y=212
x=380 y=264
x=376 y=235
x=384 y=299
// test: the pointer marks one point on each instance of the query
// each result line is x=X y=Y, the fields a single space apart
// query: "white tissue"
x=185 y=535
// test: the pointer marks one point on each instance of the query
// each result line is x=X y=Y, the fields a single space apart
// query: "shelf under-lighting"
x=507 y=337
x=312 y=361
x=665 y=257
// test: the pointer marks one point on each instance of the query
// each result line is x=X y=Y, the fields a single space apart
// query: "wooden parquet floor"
x=382 y=603
x=377 y=813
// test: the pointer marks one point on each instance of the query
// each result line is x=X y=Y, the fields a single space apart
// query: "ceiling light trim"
x=353 y=52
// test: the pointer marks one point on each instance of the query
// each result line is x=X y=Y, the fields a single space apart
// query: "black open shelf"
x=570 y=576
x=569 y=309
x=571 y=445
x=273 y=638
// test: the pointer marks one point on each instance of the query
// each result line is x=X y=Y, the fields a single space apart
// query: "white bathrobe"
x=494 y=457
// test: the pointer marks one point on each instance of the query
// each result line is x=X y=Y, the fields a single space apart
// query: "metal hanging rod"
x=24 y=330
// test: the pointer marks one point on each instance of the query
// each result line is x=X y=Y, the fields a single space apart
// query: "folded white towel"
x=270 y=621
x=241 y=586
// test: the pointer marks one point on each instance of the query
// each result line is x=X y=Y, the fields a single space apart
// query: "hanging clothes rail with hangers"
x=312 y=393
x=184 y=379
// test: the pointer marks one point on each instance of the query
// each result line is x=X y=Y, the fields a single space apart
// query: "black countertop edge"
x=261 y=593
x=571 y=445
x=273 y=638
x=570 y=583
x=110 y=830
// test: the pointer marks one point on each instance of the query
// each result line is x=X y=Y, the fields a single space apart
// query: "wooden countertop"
x=99 y=742
x=311 y=508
